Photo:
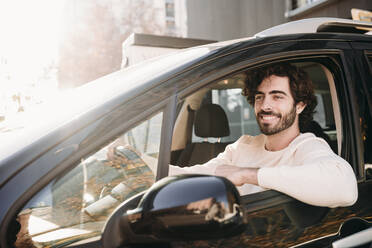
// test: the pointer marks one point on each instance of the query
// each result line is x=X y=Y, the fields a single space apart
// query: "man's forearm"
x=238 y=175
x=326 y=183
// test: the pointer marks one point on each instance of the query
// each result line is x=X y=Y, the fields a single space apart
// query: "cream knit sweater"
x=307 y=169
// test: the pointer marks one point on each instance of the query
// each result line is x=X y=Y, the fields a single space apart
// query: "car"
x=91 y=170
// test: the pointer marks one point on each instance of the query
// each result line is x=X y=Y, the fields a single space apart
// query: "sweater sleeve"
x=209 y=167
x=319 y=178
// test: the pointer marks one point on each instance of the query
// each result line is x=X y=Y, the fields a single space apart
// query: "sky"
x=30 y=29
x=30 y=32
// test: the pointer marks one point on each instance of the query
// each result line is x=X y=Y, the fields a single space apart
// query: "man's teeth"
x=268 y=117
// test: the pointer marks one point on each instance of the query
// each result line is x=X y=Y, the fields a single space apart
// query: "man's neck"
x=281 y=140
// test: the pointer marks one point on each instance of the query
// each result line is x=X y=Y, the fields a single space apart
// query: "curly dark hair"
x=302 y=88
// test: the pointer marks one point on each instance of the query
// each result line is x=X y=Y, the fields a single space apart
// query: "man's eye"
x=278 y=97
x=258 y=98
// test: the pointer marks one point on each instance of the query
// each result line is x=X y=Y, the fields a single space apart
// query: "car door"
x=275 y=219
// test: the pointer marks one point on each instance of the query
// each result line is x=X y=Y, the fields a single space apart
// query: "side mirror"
x=178 y=208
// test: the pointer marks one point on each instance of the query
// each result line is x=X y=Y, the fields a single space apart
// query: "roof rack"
x=318 y=25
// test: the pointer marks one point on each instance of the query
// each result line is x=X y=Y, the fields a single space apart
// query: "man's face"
x=274 y=105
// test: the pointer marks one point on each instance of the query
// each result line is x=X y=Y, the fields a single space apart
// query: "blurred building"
x=222 y=19
x=300 y=9
x=95 y=30
x=231 y=19
x=197 y=22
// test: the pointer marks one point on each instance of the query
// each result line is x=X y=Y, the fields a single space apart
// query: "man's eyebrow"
x=272 y=92
x=277 y=92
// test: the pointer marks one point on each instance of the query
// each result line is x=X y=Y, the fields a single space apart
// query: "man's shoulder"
x=308 y=140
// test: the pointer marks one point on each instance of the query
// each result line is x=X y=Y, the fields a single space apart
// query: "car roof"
x=318 y=25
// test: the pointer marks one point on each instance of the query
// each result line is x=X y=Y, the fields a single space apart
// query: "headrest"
x=211 y=121
x=316 y=129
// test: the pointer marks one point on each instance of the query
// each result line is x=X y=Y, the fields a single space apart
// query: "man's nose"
x=266 y=104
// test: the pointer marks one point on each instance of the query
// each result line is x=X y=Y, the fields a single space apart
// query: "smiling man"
x=282 y=158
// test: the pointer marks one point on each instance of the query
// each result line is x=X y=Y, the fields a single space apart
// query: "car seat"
x=210 y=122
x=316 y=129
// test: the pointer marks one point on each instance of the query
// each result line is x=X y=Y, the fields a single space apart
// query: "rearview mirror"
x=178 y=208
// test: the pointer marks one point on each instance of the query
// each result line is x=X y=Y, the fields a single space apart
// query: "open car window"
x=199 y=143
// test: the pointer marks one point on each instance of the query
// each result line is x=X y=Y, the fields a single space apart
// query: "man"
x=281 y=158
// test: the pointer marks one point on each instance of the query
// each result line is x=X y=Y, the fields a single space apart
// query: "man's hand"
x=238 y=175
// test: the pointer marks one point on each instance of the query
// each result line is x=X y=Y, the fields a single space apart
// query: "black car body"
x=58 y=173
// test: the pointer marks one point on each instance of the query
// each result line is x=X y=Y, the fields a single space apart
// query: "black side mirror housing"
x=178 y=208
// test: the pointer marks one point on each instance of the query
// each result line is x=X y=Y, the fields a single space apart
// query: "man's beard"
x=285 y=121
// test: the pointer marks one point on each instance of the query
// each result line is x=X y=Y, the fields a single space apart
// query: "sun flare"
x=31 y=32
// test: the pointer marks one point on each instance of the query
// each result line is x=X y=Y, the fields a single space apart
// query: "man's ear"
x=300 y=106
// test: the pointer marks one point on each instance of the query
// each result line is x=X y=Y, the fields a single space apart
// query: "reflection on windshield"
x=76 y=206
